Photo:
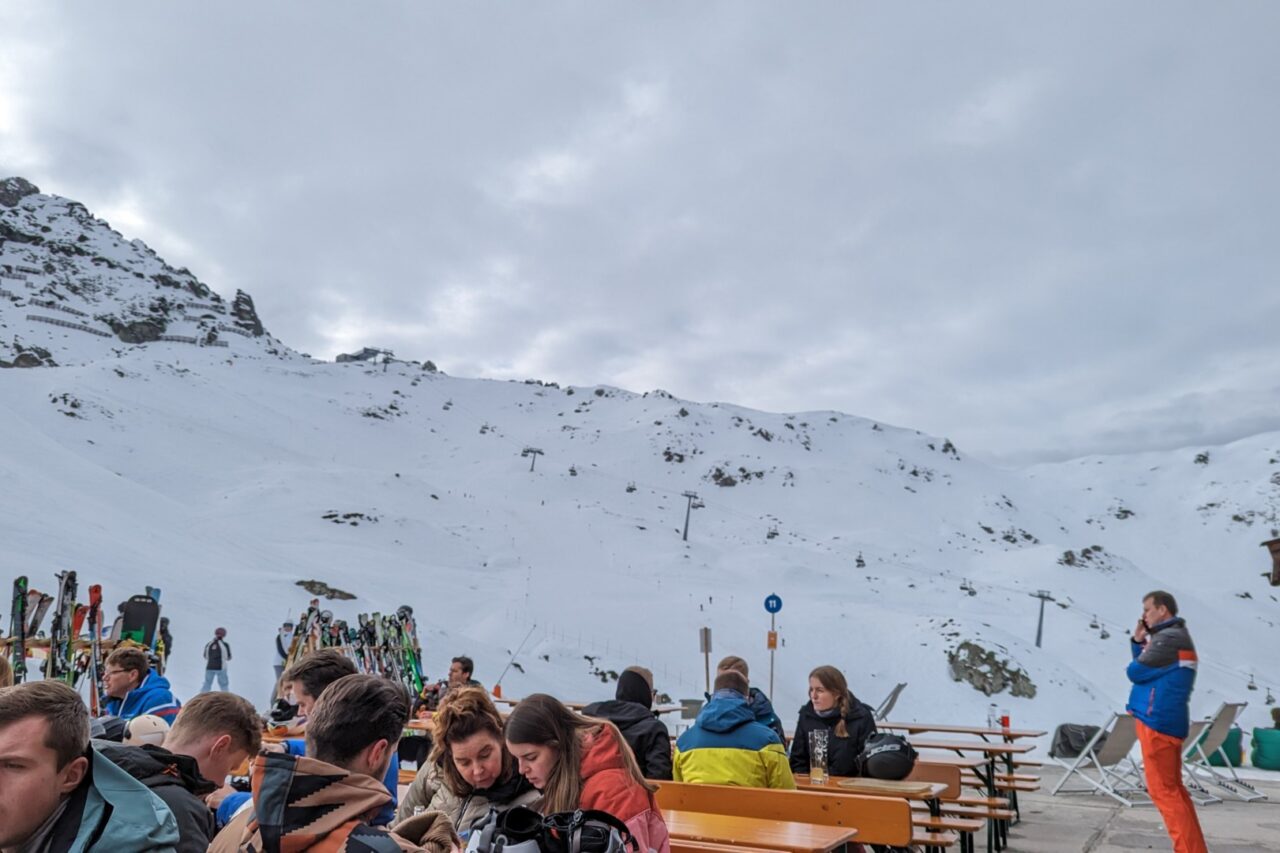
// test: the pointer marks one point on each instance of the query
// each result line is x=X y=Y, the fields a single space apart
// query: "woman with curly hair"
x=583 y=763
x=469 y=769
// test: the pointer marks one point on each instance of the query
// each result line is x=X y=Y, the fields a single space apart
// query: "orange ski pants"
x=1162 y=762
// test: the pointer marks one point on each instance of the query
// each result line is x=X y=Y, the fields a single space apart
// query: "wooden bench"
x=682 y=845
x=739 y=831
x=878 y=820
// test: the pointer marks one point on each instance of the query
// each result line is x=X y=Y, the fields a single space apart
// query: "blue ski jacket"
x=1163 y=672
x=119 y=813
x=152 y=696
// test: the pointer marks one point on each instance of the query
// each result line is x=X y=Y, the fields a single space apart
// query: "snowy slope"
x=209 y=471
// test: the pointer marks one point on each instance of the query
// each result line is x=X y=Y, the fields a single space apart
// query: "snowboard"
x=140 y=620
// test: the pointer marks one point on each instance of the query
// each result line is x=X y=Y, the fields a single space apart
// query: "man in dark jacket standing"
x=1163 y=672
x=212 y=735
x=217 y=654
x=631 y=712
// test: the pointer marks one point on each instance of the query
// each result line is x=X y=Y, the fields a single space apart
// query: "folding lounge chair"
x=882 y=713
x=1198 y=792
x=1195 y=756
x=1116 y=775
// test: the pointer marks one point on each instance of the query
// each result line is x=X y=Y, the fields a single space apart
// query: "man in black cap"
x=631 y=711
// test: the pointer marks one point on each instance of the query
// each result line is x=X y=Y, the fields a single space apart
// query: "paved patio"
x=1080 y=823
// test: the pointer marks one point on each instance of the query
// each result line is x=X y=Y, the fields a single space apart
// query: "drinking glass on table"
x=818 y=740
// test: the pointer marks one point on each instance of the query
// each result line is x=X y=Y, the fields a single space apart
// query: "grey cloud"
x=1037 y=230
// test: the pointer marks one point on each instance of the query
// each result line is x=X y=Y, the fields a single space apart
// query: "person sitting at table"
x=323 y=800
x=470 y=769
x=306 y=681
x=583 y=763
x=756 y=700
x=834 y=709
x=213 y=734
x=631 y=711
x=727 y=745
x=133 y=687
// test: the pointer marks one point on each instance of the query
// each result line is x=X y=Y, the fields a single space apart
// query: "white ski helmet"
x=146 y=728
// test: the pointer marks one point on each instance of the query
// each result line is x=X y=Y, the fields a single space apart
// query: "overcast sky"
x=1040 y=231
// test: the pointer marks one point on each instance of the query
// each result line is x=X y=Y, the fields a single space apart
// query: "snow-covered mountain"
x=165 y=438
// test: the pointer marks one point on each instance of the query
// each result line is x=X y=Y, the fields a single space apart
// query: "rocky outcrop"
x=29 y=356
x=14 y=190
x=985 y=671
x=246 y=316
x=137 y=332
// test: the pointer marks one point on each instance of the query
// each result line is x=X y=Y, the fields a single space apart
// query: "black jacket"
x=842 y=752
x=644 y=733
x=176 y=780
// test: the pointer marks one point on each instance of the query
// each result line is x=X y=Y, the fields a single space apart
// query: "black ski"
x=18 y=629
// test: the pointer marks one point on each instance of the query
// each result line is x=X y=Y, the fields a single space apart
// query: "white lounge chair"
x=1115 y=774
x=882 y=713
x=1195 y=756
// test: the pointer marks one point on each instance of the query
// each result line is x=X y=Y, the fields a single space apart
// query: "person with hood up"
x=470 y=769
x=583 y=763
x=631 y=712
x=727 y=745
x=756 y=700
x=57 y=793
x=325 y=799
x=833 y=708
x=213 y=734
x=134 y=688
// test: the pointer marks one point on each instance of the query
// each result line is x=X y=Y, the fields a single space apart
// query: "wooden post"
x=1273 y=545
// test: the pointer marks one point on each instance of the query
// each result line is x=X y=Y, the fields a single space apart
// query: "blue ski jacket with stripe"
x=1163 y=671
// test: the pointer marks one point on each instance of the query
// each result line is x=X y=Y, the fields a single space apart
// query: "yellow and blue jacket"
x=728 y=746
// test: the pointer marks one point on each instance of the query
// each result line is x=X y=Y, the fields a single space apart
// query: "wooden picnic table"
x=990 y=752
x=962 y=746
x=657 y=709
x=983 y=732
x=756 y=832
x=898 y=790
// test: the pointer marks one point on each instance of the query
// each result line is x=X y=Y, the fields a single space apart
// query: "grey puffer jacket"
x=429 y=789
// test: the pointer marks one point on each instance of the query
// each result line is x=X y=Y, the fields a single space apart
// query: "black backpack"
x=886 y=756
x=522 y=829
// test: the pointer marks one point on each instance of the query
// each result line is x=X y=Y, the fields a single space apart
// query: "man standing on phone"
x=1163 y=671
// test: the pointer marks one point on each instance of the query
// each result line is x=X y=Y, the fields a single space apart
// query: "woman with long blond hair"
x=832 y=707
x=469 y=769
x=583 y=763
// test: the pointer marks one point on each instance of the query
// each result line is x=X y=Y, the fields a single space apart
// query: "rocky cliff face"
x=73 y=289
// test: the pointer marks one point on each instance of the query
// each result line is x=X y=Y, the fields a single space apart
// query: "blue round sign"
x=772 y=604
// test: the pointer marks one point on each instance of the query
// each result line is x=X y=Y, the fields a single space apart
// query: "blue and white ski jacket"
x=152 y=696
x=1163 y=673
